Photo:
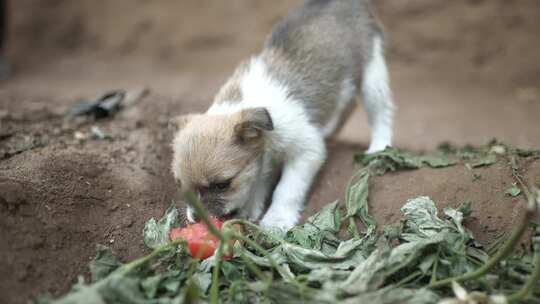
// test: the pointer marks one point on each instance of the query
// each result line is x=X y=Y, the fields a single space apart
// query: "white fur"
x=346 y=96
x=378 y=98
x=299 y=142
x=263 y=187
x=190 y=214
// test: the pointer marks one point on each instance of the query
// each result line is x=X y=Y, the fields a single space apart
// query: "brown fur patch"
x=208 y=150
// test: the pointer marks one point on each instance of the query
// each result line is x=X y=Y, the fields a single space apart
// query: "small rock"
x=530 y=94
x=4 y=114
x=128 y=222
x=80 y=136
x=99 y=134
x=498 y=150
x=12 y=194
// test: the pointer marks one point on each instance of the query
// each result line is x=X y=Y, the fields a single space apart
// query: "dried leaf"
x=156 y=233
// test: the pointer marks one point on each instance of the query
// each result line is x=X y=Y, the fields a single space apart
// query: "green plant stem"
x=503 y=252
x=354 y=228
x=127 y=268
x=409 y=278
x=533 y=279
x=530 y=285
x=435 y=267
x=518 y=177
x=263 y=251
x=214 y=289
x=255 y=269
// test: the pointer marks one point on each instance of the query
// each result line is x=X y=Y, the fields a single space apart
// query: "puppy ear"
x=252 y=124
x=178 y=122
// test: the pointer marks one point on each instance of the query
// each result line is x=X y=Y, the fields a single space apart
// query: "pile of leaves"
x=426 y=258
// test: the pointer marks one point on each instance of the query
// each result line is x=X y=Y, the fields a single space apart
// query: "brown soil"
x=463 y=71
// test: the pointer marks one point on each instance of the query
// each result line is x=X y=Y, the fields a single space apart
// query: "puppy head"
x=219 y=157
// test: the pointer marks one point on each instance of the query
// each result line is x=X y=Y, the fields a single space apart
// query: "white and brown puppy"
x=263 y=138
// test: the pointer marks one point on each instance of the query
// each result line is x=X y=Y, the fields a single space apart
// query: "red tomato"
x=201 y=243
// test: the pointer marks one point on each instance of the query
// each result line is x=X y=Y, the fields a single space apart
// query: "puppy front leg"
x=291 y=192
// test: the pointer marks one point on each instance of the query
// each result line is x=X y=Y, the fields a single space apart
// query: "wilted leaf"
x=324 y=224
x=513 y=191
x=391 y=295
x=103 y=264
x=528 y=153
x=122 y=290
x=157 y=233
x=150 y=286
x=394 y=159
x=485 y=160
x=356 y=202
x=457 y=219
x=422 y=218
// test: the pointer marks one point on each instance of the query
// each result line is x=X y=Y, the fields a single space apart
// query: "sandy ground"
x=462 y=71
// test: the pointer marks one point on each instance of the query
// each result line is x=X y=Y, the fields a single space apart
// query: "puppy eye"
x=220 y=186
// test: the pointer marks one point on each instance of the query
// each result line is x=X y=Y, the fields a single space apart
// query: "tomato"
x=201 y=243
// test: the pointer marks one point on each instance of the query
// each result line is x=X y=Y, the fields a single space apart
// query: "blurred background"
x=462 y=71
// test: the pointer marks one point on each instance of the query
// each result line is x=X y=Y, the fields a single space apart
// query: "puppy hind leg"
x=377 y=98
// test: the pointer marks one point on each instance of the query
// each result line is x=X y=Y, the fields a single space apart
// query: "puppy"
x=263 y=138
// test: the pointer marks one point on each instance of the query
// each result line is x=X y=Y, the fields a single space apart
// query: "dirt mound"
x=57 y=202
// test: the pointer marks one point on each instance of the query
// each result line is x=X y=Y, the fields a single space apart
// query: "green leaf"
x=323 y=225
x=356 y=202
x=394 y=159
x=528 y=153
x=203 y=280
x=103 y=264
x=368 y=275
x=157 y=233
x=190 y=294
x=150 y=285
x=392 y=295
x=513 y=191
x=457 y=218
x=81 y=294
x=484 y=160
x=122 y=290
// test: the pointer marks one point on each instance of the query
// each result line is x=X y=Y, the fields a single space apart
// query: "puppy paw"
x=376 y=148
x=275 y=220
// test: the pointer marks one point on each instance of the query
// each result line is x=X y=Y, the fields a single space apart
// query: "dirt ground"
x=463 y=71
